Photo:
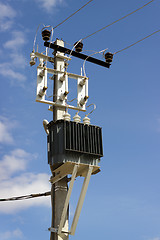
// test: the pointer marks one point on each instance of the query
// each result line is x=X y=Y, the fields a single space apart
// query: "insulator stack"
x=78 y=46
x=109 y=57
x=46 y=35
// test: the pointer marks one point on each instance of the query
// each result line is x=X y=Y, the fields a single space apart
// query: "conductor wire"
x=26 y=197
x=94 y=108
x=137 y=42
x=72 y=14
x=118 y=20
x=90 y=56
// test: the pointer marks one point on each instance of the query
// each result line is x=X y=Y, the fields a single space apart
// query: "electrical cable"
x=72 y=14
x=35 y=38
x=94 y=108
x=102 y=51
x=137 y=42
x=26 y=197
x=118 y=20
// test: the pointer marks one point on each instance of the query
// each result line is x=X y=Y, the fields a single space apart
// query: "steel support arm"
x=76 y=54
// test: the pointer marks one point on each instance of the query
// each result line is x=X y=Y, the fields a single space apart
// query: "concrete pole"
x=59 y=189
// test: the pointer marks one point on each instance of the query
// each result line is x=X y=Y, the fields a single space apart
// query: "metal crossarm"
x=77 y=54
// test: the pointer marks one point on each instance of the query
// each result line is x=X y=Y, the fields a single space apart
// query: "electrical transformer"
x=74 y=142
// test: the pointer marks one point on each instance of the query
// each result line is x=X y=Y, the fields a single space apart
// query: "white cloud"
x=15 y=183
x=17 y=41
x=11 y=234
x=5 y=128
x=14 y=162
x=49 y=4
x=7 y=70
x=6 y=16
x=16 y=59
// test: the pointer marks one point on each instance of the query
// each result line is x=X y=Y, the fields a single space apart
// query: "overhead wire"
x=102 y=51
x=117 y=20
x=26 y=197
x=72 y=14
x=123 y=49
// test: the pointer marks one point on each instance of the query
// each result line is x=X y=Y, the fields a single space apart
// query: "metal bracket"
x=75 y=169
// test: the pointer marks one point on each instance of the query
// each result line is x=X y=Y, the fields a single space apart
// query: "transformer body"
x=74 y=142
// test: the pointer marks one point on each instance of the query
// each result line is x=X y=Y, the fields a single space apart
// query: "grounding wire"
x=117 y=20
x=72 y=14
x=26 y=197
x=137 y=42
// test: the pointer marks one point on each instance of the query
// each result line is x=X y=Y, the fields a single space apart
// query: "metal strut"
x=75 y=169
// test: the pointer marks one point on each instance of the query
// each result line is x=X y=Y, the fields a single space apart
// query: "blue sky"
x=123 y=201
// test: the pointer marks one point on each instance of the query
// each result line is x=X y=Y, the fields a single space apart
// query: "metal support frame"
x=81 y=200
x=42 y=72
x=75 y=169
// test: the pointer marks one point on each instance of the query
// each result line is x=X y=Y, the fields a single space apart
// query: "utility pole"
x=74 y=147
x=59 y=189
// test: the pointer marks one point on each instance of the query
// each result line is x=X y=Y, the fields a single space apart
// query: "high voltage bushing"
x=76 y=142
x=46 y=35
x=108 y=57
x=78 y=46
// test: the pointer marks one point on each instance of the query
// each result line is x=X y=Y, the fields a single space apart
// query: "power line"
x=117 y=20
x=137 y=42
x=72 y=14
x=26 y=197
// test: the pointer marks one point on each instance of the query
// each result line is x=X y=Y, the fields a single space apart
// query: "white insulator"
x=32 y=61
x=67 y=117
x=42 y=92
x=82 y=82
x=45 y=123
x=63 y=96
x=77 y=118
x=41 y=74
x=82 y=102
x=41 y=62
x=62 y=78
x=86 y=120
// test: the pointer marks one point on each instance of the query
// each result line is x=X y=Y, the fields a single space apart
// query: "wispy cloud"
x=13 y=169
x=6 y=17
x=12 y=163
x=48 y=5
x=18 y=40
x=16 y=60
x=5 y=130
x=8 y=235
x=7 y=70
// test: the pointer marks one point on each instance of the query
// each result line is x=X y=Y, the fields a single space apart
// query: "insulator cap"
x=108 y=57
x=67 y=117
x=86 y=120
x=77 y=118
x=46 y=35
x=78 y=46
